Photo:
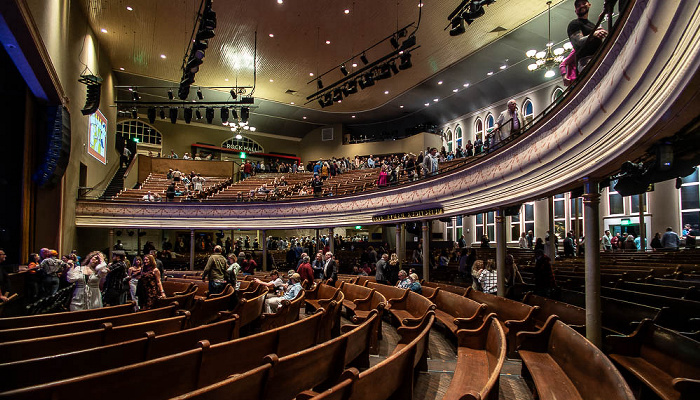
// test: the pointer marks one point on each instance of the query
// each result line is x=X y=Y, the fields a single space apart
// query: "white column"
x=331 y=239
x=111 y=242
x=642 y=225
x=191 y=249
x=550 y=223
x=398 y=242
x=264 y=248
x=500 y=251
x=426 y=250
x=591 y=202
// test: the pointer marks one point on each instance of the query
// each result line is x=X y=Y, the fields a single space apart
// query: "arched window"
x=528 y=110
x=458 y=136
x=243 y=144
x=490 y=122
x=142 y=132
x=479 y=129
x=557 y=93
x=448 y=140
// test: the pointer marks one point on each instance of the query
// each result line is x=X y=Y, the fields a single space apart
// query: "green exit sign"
x=624 y=222
x=243 y=155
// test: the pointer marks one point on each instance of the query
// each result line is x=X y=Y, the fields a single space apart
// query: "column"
x=191 y=249
x=642 y=225
x=138 y=242
x=501 y=251
x=398 y=243
x=426 y=250
x=591 y=202
x=318 y=243
x=577 y=233
x=403 y=240
x=550 y=223
x=331 y=241
x=264 y=248
x=111 y=242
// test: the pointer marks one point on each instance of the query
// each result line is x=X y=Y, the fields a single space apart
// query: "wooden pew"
x=185 y=298
x=480 y=357
x=183 y=372
x=321 y=295
x=407 y=307
x=685 y=293
x=248 y=385
x=82 y=362
x=571 y=315
x=62 y=317
x=207 y=310
x=360 y=301
x=288 y=312
x=564 y=365
x=52 y=345
x=444 y=286
x=457 y=312
x=513 y=315
x=32 y=332
x=659 y=360
x=173 y=286
x=247 y=311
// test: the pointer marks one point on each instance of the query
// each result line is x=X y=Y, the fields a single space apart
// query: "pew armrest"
x=687 y=387
x=536 y=341
x=365 y=300
x=468 y=323
x=306 y=395
x=399 y=303
x=631 y=344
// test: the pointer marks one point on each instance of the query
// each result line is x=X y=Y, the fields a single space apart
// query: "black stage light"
x=393 y=67
x=352 y=87
x=245 y=113
x=134 y=113
x=233 y=93
x=384 y=72
x=322 y=103
x=369 y=79
x=394 y=42
x=209 y=112
x=198 y=114
x=319 y=83
x=457 y=26
x=405 y=61
x=234 y=114
x=363 y=58
x=173 y=114
x=135 y=95
x=224 y=114
x=344 y=70
x=408 y=43
x=193 y=65
x=337 y=95
x=183 y=92
x=475 y=11
x=200 y=95
x=328 y=98
x=162 y=113
x=170 y=94
x=188 y=114
x=200 y=45
x=151 y=114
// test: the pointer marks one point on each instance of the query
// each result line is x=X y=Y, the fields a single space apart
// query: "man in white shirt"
x=149 y=196
x=507 y=124
x=430 y=162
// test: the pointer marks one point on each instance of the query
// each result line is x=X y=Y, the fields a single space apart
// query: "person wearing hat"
x=293 y=289
x=114 y=288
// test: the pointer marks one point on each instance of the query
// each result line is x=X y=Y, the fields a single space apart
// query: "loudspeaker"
x=92 y=101
x=57 y=154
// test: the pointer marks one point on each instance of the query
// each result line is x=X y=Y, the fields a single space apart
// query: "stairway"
x=115 y=186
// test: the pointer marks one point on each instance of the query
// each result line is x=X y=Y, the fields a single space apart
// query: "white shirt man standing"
x=507 y=124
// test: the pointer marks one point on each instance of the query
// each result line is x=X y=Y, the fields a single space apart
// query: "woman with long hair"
x=149 y=287
x=133 y=276
x=86 y=295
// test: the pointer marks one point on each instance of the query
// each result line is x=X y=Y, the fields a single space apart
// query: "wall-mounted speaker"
x=57 y=155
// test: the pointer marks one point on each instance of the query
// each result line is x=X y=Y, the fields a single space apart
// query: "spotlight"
x=245 y=113
x=173 y=115
x=200 y=45
x=408 y=43
x=394 y=42
x=405 y=61
x=475 y=11
x=151 y=114
x=369 y=80
x=224 y=114
x=457 y=26
x=393 y=67
x=135 y=95
x=319 y=83
x=199 y=94
x=322 y=103
x=328 y=98
x=170 y=94
x=350 y=88
x=344 y=70
x=209 y=112
x=193 y=65
x=234 y=114
x=162 y=113
x=384 y=72
x=233 y=93
x=198 y=114
x=188 y=114
x=134 y=113
x=183 y=92
x=363 y=58
x=337 y=95
x=187 y=78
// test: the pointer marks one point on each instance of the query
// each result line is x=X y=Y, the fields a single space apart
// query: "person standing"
x=133 y=275
x=430 y=163
x=382 y=272
x=579 y=31
x=86 y=295
x=507 y=124
x=330 y=270
x=305 y=271
x=114 y=290
x=544 y=277
x=149 y=286
x=606 y=241
x=214 y=270
x=670 y=239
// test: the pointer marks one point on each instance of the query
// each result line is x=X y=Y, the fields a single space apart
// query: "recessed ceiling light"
x=272 y=80
x=103 y=30
x=436 y=100
x=328 y=42
x=386 y=92
x=272 y=35
x=226 y=79
x=466 y=85
x=162 y=56
x=292 y=103
x=121 y=68
x=354 y=65
x=311 y=74
x=490 y=73
x=455 y=90
x=280 y=1
x=504 y=66
x=129 y=8
x=353 y=116
x=340 y=101
x=439 y=82
x=400 y=106
x=304 y=117
x=427 y=104
x=346 y=11
x=420 y=4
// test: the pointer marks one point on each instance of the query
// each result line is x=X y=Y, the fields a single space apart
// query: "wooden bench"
x=288 y=312
x=685 y=293
x=33 y=332
x=480 y=357
x=248 y=385
x=406 y=306
x=444 y=286
x=564 y=365
x=62 y=317
x=184 y=298
x=457 y=312
x=207 y=310
x=513 y=315
x=571 y=315
x=659 y=360
x=361 y=307
x=173 y=286
x=321 y=295
x=247 y=311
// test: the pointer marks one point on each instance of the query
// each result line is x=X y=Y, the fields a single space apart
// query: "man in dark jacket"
x=115 y=289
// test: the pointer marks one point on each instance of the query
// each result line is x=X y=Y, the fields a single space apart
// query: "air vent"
x=326 y=134
x=498 y=29
x=290 y=91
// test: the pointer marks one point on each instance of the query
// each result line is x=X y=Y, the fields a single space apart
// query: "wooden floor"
x=442 y=356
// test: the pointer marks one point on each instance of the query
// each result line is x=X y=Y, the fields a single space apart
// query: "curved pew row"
x=62 y=317
x=407 y=307
x=359 y=302
x=209 y=364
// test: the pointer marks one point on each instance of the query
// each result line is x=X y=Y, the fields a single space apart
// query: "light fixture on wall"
x=548 y=59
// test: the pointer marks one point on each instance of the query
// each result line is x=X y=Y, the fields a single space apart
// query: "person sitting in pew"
x=487 y=278
x=275 y=284
x=415 y=284
x=293 y=289
x=404 y=281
